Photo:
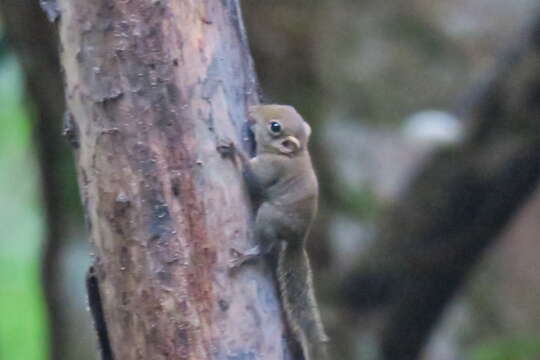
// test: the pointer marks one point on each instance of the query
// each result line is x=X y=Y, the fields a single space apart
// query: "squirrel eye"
x=275 y=127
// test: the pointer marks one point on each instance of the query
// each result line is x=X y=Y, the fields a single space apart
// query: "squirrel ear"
x=308 y=129
x=289 y=145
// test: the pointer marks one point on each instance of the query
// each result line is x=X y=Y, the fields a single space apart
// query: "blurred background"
x=426 y=122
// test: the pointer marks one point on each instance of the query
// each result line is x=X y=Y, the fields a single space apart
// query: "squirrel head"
x=279 y=129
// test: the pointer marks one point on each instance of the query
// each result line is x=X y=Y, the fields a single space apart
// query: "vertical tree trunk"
x=152 y=86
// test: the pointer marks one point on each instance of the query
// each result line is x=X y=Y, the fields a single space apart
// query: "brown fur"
x=284 y=174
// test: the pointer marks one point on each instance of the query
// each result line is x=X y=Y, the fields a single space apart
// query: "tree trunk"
x=456 y=207
x=152 y=87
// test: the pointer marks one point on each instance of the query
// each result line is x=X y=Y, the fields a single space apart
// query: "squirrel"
x=282 y=175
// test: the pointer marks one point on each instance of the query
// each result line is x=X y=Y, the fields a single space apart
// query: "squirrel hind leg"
x=242 y=258
x=250 y=255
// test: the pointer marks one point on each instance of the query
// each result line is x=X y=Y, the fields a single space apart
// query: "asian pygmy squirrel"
x=282 y=175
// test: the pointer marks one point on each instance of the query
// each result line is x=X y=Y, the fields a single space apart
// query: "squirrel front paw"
x=226 y=147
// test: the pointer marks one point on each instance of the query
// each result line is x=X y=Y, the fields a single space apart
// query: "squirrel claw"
x=241 y=258
x=237 y=259
x=234 y=264
x=226 y=147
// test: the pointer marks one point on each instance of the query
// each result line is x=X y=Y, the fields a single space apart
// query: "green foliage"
x=22 y=330
x=518 y=348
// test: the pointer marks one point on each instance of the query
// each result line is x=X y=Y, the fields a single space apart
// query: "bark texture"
x=152 y=88
x=456 y=207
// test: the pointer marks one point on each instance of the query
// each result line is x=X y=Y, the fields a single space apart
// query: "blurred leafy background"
x=382 y=84
x=21 y=221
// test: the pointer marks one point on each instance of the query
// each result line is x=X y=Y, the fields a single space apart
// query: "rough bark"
x=33 y=39
x=456 y=206
x=152 y=87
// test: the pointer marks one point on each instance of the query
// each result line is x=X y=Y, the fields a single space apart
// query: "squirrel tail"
x=298 y=297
